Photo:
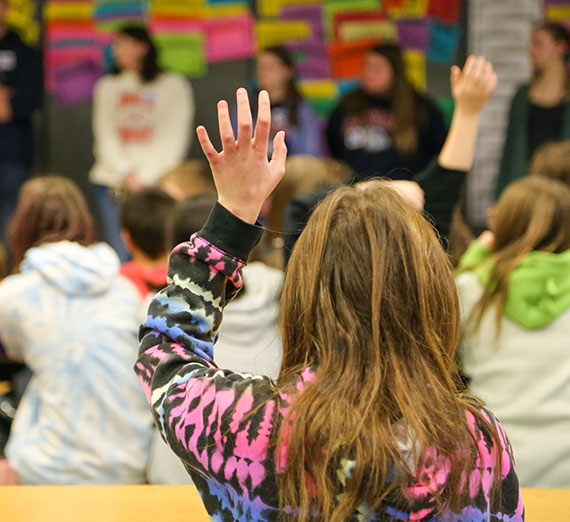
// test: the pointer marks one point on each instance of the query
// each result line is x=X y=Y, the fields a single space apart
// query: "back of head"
x=533 y=214
x=552 y=160
x=189 y=216
x=50 y=209
x=191 y=178
x=369 y=301
x=145 y=215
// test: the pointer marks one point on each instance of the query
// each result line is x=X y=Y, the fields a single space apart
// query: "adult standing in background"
x=385 y=127
x=142 y=118
x=290 y=112
x=540 y=111
x=20 y=95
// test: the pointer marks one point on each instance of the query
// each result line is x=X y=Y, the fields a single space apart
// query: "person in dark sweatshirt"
x=442 y=180
x=385 y=127
x=20 y=95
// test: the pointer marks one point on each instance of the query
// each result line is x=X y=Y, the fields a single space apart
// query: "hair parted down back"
x=370 y=303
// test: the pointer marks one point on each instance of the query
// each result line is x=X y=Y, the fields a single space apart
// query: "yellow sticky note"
x=384 y=30
x=275 y=32
x=407 y=8
x=177 y=8
x=416 y=68
x=558 y=13
x=69 y=11
x=273 y=7
x=318 y=89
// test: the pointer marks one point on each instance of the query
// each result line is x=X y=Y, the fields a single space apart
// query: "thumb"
x=455 y=76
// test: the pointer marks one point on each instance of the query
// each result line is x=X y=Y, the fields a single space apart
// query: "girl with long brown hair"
x=385 y=127
x=276 y=73
x=72 y=319
x=515 y=294
x=365 y=421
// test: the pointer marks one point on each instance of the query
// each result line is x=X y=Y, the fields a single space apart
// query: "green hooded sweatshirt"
x=539 y=288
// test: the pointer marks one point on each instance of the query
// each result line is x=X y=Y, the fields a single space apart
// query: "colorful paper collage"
x=328 y=37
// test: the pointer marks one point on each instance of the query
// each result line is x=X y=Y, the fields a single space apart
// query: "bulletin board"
x=328 y=37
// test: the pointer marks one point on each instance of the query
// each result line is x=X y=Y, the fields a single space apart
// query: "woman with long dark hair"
x=366 y=420
x=72 y=319
x=385 y=127
x=142 y=118
x=290 y=112
x=540 y=110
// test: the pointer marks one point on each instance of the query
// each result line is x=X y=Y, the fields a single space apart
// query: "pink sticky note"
x=229 y=38
x=74 y=82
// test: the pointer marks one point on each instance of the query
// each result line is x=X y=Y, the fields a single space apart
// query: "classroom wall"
x=64 y=135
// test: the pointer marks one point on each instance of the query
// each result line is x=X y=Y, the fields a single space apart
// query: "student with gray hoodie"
x=72 y=318
x=514 y=290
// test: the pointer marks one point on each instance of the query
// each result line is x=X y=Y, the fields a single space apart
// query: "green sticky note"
x=446 y=105
x=183 y=53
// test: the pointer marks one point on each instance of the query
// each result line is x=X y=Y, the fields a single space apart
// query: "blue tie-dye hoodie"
x=72 y=319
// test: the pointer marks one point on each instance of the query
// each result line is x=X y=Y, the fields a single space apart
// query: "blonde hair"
x=191 y=178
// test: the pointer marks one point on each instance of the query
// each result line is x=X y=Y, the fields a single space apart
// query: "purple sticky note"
x=312 y=14
x=74 y=82
x=413 y=34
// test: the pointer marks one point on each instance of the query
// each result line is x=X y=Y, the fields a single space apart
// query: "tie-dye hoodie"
x=73 y=320
x=206 y=414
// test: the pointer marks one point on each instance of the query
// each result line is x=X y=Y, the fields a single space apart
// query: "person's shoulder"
x=17 y=286
x=108 y=81
x=173 y=79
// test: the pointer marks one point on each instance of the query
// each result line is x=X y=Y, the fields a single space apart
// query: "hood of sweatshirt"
x=73 y=268
x=539 y=288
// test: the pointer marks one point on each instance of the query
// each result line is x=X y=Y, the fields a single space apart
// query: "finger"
x=225 y=125
x=454 y=77
x=279 y=155
x=469 y=64
x=207 y=147
x=263 y=125
x=244 y=119
x=479 y=68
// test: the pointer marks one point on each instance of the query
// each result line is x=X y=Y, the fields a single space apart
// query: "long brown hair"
x=532 y=214
x=551 y=161
x=404 y=98
x=370 y=303
x=50 y=209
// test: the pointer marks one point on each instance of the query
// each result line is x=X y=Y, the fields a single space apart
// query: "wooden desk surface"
x=177 y=504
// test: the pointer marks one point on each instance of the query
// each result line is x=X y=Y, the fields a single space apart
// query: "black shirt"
x=545 y=124
x=20 y=71
x=363 y=138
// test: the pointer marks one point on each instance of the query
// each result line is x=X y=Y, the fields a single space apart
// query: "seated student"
x=68 y=314
x=144 y=217
x=190 y=178
x=514 y=289
x=248 y=340
x=442 y=181
x=365 y=420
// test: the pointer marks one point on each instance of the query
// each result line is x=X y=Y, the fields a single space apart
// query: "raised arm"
x=201 y=410
x=471 y=88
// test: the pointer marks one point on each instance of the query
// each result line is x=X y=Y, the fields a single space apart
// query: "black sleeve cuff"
x=230 y=234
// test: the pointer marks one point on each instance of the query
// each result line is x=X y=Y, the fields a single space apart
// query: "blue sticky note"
x=443 y=42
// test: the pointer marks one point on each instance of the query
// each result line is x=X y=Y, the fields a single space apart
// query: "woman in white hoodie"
x=514 y=289
x=68 y=314
x=142 y=118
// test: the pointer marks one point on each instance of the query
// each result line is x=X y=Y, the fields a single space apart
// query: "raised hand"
x=472 y=86
x=243 y=176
